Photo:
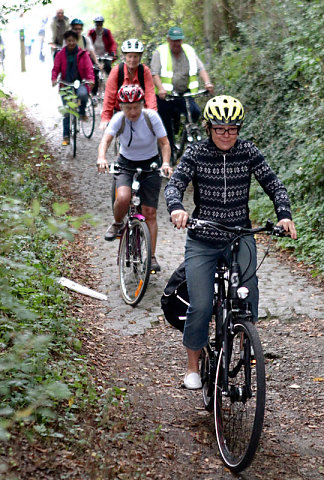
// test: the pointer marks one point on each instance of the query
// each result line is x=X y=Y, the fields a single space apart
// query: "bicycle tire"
x=183 y=140
x=239 y=416
x=207 y=375
x=113 y=192
x=89 y=125
x=134 y=261
x=74 y=133
x=101 y=88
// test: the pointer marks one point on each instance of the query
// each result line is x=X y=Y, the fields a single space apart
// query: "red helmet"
x=130 y=94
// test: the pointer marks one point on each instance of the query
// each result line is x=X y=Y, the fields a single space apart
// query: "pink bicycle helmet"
x=130 y=94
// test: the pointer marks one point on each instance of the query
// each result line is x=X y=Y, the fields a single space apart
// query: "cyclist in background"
x=84 y=42
x=73 y=63
x=176 y=66
x=59 y=25
x=103 y=42
x=140 y=132
x=130 y=72
x=220 y=169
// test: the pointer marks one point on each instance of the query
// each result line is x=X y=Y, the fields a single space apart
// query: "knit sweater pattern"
x=221 y=182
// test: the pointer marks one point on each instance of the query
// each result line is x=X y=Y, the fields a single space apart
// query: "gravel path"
x=291 y=328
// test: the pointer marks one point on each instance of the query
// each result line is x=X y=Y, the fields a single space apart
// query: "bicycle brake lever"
x=279 y=231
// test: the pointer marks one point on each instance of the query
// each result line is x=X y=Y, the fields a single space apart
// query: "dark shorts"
x=150 y=182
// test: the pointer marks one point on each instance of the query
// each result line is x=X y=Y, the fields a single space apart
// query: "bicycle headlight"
x=242 y=292
x=190 y=138
x=136 y=201
x=135 y=185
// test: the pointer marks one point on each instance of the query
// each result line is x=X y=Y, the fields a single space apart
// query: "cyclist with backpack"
x=140 y=133
x=130 y=72
x=104 y=44
x=220 y=169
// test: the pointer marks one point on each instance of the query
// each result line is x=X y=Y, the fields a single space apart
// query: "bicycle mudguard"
x=139 y=217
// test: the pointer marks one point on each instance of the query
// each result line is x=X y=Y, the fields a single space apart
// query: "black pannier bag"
x=175 y=298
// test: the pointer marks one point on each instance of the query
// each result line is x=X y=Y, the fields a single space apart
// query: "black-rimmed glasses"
x=222 y=130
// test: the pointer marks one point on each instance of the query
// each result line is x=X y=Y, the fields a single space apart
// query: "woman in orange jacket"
x=130 y=72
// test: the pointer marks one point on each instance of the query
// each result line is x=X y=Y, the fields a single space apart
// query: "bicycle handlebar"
x=76 y=84
x=269 y=227
x=115 y=168
x=174 y=94
x=106 y=56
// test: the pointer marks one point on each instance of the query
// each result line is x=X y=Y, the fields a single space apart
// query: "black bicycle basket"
x=175 y=298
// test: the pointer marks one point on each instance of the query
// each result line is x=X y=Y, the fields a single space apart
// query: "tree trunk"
x=137 y=18
x=208 y=30
x=229 y=19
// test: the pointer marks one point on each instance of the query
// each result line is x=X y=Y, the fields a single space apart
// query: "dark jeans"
x=201 y=261
x=171 y=109
x=82 y=94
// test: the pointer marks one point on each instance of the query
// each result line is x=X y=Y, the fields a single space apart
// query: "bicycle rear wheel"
x=88 y=126
x=239 y=412
x=134 y=262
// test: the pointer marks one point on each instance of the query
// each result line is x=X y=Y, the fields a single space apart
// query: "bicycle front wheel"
x=134 y=262
x=74 y=133
x=88 y=125
x=239 y=411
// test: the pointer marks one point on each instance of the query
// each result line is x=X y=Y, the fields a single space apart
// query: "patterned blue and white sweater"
x=221 y=182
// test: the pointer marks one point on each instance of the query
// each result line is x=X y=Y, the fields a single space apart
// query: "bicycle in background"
x=184 y=129
x=232 y=364
x=71 y=108
x=105 y=62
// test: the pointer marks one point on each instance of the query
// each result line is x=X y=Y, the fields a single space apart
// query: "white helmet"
x=132 y=45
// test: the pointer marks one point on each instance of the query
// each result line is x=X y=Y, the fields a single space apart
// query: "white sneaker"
x=192 y=381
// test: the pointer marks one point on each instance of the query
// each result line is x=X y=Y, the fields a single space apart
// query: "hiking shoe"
x=66 y=141
x=155 y=267
x=114 y=231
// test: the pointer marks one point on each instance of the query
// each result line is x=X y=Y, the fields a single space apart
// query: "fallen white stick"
x=76 y=287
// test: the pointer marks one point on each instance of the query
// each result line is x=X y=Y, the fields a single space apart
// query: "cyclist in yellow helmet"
x=220 y=169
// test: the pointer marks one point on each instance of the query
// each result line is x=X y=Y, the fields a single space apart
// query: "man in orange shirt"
x=130 y=72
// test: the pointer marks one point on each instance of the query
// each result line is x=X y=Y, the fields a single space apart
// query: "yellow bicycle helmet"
x=224 y=110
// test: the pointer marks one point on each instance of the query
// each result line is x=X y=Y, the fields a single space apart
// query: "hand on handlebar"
x=289 y=227
x=102 y=165
x=162 y=93
x=179 y=218
x=167 y=170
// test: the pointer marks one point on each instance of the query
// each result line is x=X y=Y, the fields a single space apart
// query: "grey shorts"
x=150 y=182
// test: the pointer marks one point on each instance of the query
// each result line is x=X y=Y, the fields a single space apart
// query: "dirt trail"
x=134 y=349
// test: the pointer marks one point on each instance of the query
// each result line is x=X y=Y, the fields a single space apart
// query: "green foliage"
x=20 y=7
x=41 y=369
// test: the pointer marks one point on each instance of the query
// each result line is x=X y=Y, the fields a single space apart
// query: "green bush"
x=41 y=368
x=275 y=70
